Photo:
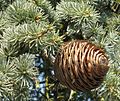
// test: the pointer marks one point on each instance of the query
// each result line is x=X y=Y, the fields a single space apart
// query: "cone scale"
x=81 y=65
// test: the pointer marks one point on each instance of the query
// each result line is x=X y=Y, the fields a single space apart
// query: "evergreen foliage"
x=34 y=29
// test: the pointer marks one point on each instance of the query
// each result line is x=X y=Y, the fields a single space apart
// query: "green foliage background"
x=30 y=28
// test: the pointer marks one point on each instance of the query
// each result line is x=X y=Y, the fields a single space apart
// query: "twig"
x=71 y=95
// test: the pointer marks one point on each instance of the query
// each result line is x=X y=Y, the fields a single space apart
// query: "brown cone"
x=81 y=65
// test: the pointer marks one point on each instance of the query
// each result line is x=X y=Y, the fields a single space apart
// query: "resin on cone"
x=81 y=65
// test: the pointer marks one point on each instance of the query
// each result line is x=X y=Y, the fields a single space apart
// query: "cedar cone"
x=80 y=65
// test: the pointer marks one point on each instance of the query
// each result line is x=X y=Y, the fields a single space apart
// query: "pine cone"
x=81 y=65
